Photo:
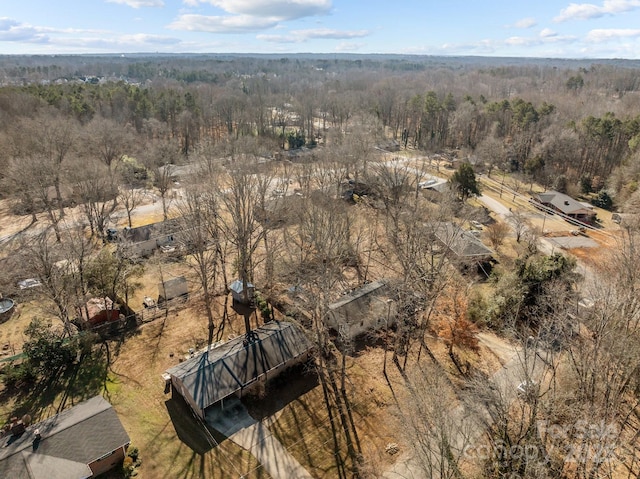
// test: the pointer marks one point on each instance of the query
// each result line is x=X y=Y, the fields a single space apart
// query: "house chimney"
x=566 y=202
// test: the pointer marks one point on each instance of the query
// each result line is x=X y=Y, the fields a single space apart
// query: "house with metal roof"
x=234 y=368
x=173 y=288
x=78 y=443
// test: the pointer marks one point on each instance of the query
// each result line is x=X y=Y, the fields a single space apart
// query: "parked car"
x=167 y=248
x=423 y=185
x=528 y=389
x=476 y=224
x=29 y=283
x=148 y=302
x=112 y=234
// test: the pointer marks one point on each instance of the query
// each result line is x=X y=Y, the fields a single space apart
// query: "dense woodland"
x=541 y=119
x=95 y=131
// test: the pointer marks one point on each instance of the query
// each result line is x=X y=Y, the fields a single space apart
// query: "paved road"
x=470 y=418
x=495 y=206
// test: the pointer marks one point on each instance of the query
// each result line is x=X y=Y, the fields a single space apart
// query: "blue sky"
x=544 y=28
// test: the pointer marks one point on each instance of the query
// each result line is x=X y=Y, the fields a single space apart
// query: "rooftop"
x=461 y=242
x=564 y=203
x=69 y=442
x=223 y=370
x=357 y=294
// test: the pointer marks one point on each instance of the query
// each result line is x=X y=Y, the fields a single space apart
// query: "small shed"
x=99 y=311
x=172 y=289
x=237 y=291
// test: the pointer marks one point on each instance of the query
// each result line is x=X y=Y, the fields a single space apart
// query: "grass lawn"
x=158 y=425
x=304 y=428
x=128 y=374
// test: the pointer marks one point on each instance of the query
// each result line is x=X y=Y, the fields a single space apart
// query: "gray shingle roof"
x=70 y=441
x=221 y=371
x=461 y=242
x=356 y=294
x=152 y=230
x=563 y=203
x=173 y=288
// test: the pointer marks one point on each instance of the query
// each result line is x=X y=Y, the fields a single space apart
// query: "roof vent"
x=566 y=202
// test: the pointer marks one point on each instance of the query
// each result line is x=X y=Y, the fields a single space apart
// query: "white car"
x=423 y=185
x=29 y=283
x=527 y=389
x=476 y=224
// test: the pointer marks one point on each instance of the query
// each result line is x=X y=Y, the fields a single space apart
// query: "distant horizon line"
x=320 y=54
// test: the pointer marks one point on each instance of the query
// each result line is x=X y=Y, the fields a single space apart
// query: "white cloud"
x=117 y=43
x=14 y=31
x=300 y=36
x=7 y=23
x=146 y=39
x=585 y=11
x=282 y=9
x=547 y=33
x=280 y=38
x=521 y=41
x=330 y=34
x=74 y=40
x=249 y=15
x=220 y=24
x=349 y=47
x=525 y=23
x=605 y=34
x=139 y=3
x=481 y=47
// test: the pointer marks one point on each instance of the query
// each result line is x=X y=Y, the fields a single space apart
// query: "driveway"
x=568 y=242
x=235 y=422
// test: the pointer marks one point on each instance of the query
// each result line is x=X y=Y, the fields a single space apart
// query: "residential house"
x=143 y=241
x=464 y=246
x=564 y=204
x=81 y=442
x=362 y=310
x=237 y=366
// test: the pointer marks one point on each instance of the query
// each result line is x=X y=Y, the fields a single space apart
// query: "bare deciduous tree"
x=130 y=198
x=107 y=141
x=201 y=237
x=98 y=195
x=497 y=233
